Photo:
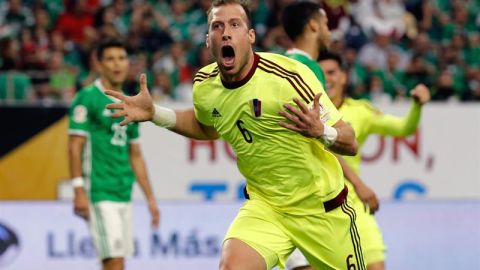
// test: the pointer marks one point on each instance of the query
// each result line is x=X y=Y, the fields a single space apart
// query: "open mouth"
x=228 y=56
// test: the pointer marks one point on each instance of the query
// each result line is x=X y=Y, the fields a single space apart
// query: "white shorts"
x=110 y=225
x=296 y=259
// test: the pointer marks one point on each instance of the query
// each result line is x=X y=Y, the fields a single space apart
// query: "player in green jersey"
x=307 y=26
x=271 y=110
x=365 y=120
x=105 y=159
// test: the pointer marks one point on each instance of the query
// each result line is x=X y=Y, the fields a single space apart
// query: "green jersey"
x=365 y=119
x=105 y=161
x=305 y=59
x=287 y=170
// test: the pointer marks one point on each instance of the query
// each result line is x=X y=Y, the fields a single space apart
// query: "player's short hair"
x=109 y=43
x=244 y=3
x=328 y=55
x=297 y=14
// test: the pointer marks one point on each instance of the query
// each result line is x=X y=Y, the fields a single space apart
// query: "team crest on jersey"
x=256 y=107
x=80 y=114
x=216 y=113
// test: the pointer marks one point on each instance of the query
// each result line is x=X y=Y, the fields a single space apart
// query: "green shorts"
x=329 y=240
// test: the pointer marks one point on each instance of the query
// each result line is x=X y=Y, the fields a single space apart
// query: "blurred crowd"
x=46 y=46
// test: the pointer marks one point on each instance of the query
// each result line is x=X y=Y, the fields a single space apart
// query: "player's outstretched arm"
x=141 y=108
x=366 y=195
x=340 y=138
x=390 y=125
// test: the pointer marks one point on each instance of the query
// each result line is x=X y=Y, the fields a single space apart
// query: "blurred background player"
x=306 y=24
x=365 y=120
x=105 y=159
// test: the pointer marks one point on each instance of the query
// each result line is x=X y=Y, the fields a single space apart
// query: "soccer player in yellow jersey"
x=365 y=120
x=280 y=122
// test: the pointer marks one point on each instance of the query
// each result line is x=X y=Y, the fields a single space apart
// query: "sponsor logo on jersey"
x=216 y=113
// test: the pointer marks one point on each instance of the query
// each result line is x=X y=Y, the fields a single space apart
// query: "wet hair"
x=244 y=3
x=328 y=55
x=109 y=43
x=296 y=15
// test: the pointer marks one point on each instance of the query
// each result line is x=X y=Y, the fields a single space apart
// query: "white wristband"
x=164 y=117
x=78 y=182
x=329 y=136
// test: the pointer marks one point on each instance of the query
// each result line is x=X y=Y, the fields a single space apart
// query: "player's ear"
x=313 y=24
x=207 y=42
x=251 y=35
x=343 y=78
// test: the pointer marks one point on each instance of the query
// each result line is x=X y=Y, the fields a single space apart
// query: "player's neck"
x=110 y=85
x=338 y=101
x=308 y=45
x=242 y=73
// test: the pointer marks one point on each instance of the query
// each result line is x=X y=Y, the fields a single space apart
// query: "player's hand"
x=368 y=197
x=420 y=94
x=304 y=120
x=138 y=108
x=155 y=213
x=80 y=203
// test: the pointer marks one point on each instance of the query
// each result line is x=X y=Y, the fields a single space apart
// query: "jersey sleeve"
x=79 y=115
x=201 y=113
x=390 y=125
x=133 y=132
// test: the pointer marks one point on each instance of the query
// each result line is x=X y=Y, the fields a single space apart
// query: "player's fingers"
x=303 y=107
x=125 y=121
x=290 y=126
x=373 y=205
x=290 y=117
x=115 y=106
x=116 y=94
x=316 y=102
x=119 y=114
x=300 y=114
x=143 y=83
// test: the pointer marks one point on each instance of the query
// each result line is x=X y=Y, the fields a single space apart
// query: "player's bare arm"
x=365 y=193
x=141 y=108
x=140 y=169
x=75 y=149
x=340 y=138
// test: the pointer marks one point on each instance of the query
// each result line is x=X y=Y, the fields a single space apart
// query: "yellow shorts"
x=328 y=240
x=370 y=234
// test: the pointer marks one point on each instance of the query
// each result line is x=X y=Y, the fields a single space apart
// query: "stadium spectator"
x=149 y=26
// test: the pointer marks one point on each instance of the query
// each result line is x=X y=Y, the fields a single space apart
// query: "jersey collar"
x=298 y=51
x=101 y=87
x=233 y=85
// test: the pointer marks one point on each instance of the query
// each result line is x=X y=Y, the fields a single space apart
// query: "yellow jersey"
x=287 y=170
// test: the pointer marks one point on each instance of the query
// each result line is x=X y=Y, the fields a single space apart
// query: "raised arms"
x=140 y=108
